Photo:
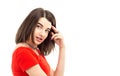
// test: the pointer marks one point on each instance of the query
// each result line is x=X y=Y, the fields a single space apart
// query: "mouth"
x=39 y=39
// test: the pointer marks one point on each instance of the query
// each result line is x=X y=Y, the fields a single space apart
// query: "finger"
x=57 y=37
x=54 y=29
x=53 y=35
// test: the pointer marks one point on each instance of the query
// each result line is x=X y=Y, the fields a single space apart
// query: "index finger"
x=54 y=29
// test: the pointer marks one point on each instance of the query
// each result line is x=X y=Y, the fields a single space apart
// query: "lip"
x=39 y=39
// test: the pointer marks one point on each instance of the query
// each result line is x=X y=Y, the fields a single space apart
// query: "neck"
x=31 y=46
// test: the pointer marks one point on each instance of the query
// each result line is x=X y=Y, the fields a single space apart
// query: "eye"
x=47 y=30
x=39 y=26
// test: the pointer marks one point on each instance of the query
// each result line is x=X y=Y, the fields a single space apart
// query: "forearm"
x=59 y=40
x=61 y=63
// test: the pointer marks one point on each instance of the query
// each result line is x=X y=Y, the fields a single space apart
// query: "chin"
x=38 y=43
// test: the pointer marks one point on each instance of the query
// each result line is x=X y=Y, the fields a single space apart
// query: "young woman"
x=35 y=38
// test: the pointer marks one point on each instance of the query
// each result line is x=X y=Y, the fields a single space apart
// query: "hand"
x=57 y=37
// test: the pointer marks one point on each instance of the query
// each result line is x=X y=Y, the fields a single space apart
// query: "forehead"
x=44 y=22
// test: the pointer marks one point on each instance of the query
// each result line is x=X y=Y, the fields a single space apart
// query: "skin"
x=40 y=34
x=41 y=31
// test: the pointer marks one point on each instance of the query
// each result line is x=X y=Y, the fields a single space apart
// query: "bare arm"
x=58 y=38
x=59 y=71
x=61 y=62
x=35 y=71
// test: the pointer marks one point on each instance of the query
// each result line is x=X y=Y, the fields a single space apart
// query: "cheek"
x=46 y=35
x=35 y=31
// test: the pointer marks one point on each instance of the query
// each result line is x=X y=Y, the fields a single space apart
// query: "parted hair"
x=28 y=26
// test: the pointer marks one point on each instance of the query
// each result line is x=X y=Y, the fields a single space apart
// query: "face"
x=41 y=30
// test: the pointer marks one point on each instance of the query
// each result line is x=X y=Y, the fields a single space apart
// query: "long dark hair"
x=28 y=26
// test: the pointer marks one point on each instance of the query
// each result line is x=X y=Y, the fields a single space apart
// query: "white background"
x=91 y=29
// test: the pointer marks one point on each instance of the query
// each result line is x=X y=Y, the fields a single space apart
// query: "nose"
x=42 y=32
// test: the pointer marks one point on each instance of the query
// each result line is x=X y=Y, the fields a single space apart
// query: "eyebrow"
x=43 y=26
x=40 y=24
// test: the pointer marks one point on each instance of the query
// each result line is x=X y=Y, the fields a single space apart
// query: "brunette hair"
x=28 y=26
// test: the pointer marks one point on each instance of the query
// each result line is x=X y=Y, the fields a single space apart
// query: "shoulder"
x=21 y=48
x=21 y=45
x=23 y=53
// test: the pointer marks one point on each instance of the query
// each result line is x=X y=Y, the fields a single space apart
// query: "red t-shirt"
x=23 y=58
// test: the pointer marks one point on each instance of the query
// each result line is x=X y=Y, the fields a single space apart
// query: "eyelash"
x=47 y=31
x=39 y=26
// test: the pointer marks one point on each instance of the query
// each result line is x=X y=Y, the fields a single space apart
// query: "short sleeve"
x=26 y=59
